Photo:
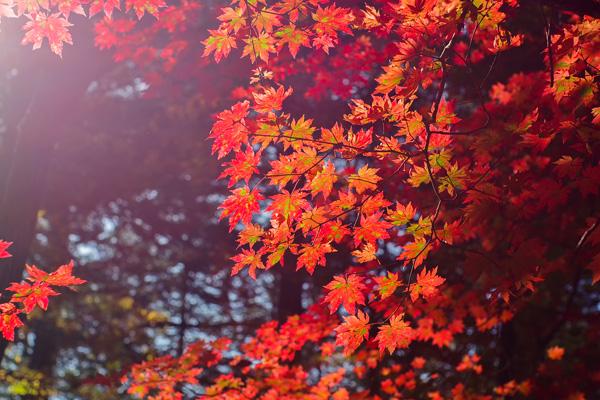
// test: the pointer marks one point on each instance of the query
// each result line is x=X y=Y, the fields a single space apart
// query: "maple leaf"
x=242 y=167
x=371 y=229
x=352 y=332
x=276 y=255
x=283 y=170
x=259 y=47
x=31 y=7
x=402 y=215
x=446 y=115
x=250 y=258
x=391 y=78
x=288 y=205
x=426 y=285
x=220 y=42
x=271 y=99
x=415 y=251
x=596 y=115
x=346 y=290
x=261 y=74
x=366 y=254
x=371 y=17
x=555 y=353
x=331 y=19
x=31 y=295
x=52 y=27
x=333 y=136
x=454 y=179
x=387 y=284
x=66 y=7
x=109 y=32
x=373 y=204
x=299 y=132
x=313 y=219
x=9 y=320
x=365 y=179
x=323 y=180
x=140 y=7
x=250 y=235
x=346 y=201
x=234 y=17
x=396 y=335
x=358 y=141
x=3 y=246
x=313 y=254
x=418 y=176
x=106 y=6
x=293 y=37
x=334 y=231
x=229 y=131
x=420 y=229
x=265 y=20
x=240 y=206
x=63 y=276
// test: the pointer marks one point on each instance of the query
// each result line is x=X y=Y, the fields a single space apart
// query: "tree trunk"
x=290 y=292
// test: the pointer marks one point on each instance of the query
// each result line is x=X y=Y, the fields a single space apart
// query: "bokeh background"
x=107 y=162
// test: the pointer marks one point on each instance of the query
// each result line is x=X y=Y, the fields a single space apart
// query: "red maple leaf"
x=240 y=206
x=53 y=27
x=9 y=320
x=31 y=295
x=229 y=131
x=63 y=276
x=3 y=246
x=427 y=283
x=145 y=6
x=313 y=254
x=371 y=229
x=107 y=6
x=346 y=290
x=242 y=167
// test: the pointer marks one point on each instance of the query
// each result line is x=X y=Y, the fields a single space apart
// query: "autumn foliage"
x=31 y=293
x=456 y=193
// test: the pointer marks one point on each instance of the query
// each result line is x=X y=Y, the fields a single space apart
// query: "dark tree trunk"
x=290 y=292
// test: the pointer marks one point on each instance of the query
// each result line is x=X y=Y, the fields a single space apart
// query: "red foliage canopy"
x=458 y=191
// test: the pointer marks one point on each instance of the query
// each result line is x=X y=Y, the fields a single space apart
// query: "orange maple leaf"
x=365 y=179
x=396 y=335
x=250 y=258
x=427 y=283
x=387 y=284
x=352 y=332
x=366 y=254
